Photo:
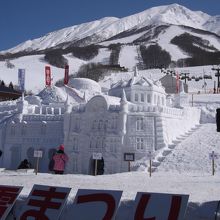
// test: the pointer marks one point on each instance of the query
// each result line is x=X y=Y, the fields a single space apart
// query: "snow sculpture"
x=132 y=118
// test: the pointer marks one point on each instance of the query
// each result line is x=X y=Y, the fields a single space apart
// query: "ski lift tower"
x=217 y=74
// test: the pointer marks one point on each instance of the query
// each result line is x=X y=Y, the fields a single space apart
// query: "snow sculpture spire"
x=84 y=96
x=22 y=107
x=123 y=115
x=181 y=87
x=123 y=97
x=68 y=105
x=136 y=71
x=22 y=97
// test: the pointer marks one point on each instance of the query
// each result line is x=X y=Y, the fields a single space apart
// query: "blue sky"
x=21 y=20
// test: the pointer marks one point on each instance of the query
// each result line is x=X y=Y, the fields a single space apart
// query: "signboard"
x=66 y=75
x=149 y=155
x=96 y=204
x=44 y=202
x=96 y=156
x=129 y=157
x=170 y=206
x=21 y=79
x=47 y=76
x=213 y=155
x=38 y=153
x=8 y=195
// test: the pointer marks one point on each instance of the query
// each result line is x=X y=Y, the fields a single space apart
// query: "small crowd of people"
x=58 y=162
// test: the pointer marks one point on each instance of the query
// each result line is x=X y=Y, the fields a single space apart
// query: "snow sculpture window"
x=114 y=122
x=139 y=124
x=140 y=143
x=103 y=143
x=128 y=97
x=92 y=143
x=111 y=147
x=142 y=97
x=94 y=125
x=75 y=164
x=99 y=143
x=75 y=144
x=77 y=124
x=162 y=100
x=106 y=125
x=100 y=127
x=13 y=129
x=158 y=100
x=149 y=143
x=148 y=98
x=155 y=99
x=136 y=97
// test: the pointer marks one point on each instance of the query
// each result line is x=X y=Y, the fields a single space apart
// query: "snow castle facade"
x=135 y=117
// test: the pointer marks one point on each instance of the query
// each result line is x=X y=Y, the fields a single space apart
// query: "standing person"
x=60 y=159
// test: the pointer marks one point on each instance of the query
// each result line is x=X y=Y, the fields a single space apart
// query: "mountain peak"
x=100 y=30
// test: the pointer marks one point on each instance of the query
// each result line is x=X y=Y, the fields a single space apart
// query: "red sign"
x=8 y=195
x=47 y=76
x=96 y=204
x=159 y=206
x=44 y=202
x=66 y=75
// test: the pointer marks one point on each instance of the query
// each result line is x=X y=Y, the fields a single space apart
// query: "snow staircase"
x=162 y=153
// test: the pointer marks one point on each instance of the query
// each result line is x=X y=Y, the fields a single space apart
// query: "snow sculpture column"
x=22 y=107
x=123 y=115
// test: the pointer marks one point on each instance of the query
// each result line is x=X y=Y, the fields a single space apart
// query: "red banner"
x=47 y=76
x=66 y=75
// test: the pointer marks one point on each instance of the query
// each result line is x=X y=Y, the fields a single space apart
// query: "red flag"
x=177 y=83
x=47 y=76
x=66 y=75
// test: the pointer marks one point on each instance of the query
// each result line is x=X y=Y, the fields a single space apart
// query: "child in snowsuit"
x=60 y=159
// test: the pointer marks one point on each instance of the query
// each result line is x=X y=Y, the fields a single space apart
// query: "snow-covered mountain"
x=103 y=29
x=157 y=37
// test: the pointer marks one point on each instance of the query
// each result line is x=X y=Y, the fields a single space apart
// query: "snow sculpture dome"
x=51 y=95
x=33 y=100
x=85 y=84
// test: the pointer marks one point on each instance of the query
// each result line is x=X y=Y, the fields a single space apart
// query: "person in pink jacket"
x=60 y=159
